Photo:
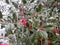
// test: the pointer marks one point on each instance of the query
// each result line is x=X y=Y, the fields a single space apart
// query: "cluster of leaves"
x=29 y=36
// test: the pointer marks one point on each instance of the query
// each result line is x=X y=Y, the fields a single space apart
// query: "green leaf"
x=28 y=23
x=34 y=36
x=38 y=8
x=19 y=25
x=43 y=34
x=47 y=26
x=24 y=1
x=58 y=10
x=8 y=32
x=0 y=15
x=16 y=6
x=7 y=1
x=50 y=13
x=55 y=0
x=52 y=36
x=58 y=37
x=14 y=17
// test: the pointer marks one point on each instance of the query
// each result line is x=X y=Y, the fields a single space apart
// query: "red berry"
x=33 y=14
x=4 y=44
x=55 y=30
x=21 y=14
x=28 y=27
x=23 y=21
x=40 y=28
x=40 y=39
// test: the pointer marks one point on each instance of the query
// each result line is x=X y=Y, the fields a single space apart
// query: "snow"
x=2 y=31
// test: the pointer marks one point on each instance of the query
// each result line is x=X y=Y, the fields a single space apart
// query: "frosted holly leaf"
x=14 y=0
x=5 y=17
x=4 y=8
x=15 y=5
x=52 y=18
x=19 y=1
x=1 y=5
x=9 y=26
x=4 y=41
x=49 y=23
x=2 y=32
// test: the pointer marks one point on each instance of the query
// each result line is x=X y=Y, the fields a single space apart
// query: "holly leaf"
x=16 y=6
x=0 y=15
x=50 y=13
x=7 y=1
x=58 y=10
x=14 y=17
x=24 y=1
x=47 y=26
x=43 y=34
x=38 y=8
